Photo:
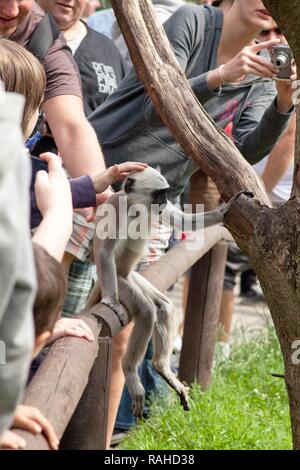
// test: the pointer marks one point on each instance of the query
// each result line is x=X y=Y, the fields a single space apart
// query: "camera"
x=282 y=58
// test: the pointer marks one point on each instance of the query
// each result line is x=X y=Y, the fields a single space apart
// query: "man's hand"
x=10 y=440
x=52 y=189
x=32 y=420
x=71 y=327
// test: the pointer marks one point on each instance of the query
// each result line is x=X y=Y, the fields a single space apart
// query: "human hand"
x=71 y=327
x=247 y=62
x=286 y=90
x=32 y=420
x=114 y=173
x=52 y=189
x=11 y=440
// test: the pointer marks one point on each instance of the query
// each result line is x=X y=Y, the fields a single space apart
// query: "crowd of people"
x=74 y=120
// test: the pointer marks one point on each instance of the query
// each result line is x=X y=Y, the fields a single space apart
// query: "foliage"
x=245 y=408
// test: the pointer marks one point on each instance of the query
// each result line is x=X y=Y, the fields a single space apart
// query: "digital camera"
x=282 y=58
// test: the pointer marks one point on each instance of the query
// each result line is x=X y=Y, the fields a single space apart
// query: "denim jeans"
x=153 y=385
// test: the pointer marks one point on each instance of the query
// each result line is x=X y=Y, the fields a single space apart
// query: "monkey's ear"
x=129 y=185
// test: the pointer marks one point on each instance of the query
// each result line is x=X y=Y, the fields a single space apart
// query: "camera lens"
x=282 y=61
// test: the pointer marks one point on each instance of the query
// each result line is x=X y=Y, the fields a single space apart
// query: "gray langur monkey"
x=116 y=257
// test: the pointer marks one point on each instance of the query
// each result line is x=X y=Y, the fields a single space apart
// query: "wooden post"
x=87 y=429
x=204 y=298
x=202 y=317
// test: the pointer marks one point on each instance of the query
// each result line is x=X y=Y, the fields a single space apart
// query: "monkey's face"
x=147 y=187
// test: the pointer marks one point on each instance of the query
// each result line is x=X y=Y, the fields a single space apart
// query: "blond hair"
x=22 y=73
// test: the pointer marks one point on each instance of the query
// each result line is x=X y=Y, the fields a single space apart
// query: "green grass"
x=245 y=408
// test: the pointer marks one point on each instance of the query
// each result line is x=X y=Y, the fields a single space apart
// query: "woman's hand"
x=246 y=62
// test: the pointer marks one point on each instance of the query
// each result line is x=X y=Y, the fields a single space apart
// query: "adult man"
x=101 y=68
x=62 y=105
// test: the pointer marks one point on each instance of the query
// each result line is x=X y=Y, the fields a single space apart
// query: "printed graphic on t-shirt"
x=106 y=77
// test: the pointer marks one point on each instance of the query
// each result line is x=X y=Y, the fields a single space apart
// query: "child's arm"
x=54 y=200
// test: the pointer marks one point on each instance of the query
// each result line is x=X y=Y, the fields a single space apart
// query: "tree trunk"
x=269 y=236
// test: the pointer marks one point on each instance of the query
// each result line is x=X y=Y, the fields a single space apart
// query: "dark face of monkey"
x=147 y=187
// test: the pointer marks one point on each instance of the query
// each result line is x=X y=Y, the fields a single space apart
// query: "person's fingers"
x=82 y=324
x=264 y=45
x=262 y=61
x=11 y=440
x=29 y=424
x=259 y=70
x=47 y=428
x=53 y=160
x=41 y=181
x=79 y=333
x=129 y=167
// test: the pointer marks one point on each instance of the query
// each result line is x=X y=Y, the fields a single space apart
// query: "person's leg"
x=236 y=262
x=226 y=313
x=120 y=342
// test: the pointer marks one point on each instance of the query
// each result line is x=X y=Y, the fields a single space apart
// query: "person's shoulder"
x=97 y=36
x=192 y=13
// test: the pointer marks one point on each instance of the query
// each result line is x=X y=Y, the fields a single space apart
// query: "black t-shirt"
x=101 y=68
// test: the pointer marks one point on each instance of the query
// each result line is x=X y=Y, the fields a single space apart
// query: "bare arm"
x=74 y=136
x=280 y=157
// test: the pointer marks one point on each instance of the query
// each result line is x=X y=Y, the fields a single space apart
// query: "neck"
x=236 y=34
x=71 y=32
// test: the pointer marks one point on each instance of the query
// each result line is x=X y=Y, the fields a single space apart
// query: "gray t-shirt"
x=129 y=127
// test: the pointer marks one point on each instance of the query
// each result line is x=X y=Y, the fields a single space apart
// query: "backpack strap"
x=43 y=37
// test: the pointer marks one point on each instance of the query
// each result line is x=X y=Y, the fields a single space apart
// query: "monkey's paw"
x=116 y=308
x=138 y=404
x=184 y=400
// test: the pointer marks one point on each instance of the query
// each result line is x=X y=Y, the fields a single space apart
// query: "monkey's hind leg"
x=143 y=312
x=162 y=336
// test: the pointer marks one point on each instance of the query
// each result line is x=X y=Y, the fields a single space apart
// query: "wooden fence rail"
x=71 y=387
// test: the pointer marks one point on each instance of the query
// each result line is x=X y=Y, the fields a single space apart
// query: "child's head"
x=50 y=295
x=22 y=73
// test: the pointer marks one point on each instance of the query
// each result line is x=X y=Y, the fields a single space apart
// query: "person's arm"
x=185 y=30
x=280 y=158
x=261 y=124
x=74 y=136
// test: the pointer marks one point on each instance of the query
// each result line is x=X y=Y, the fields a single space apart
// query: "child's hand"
x=52 y=189
x=71 y=327
x=32 y=420
x=10 y=440
x=114 y=173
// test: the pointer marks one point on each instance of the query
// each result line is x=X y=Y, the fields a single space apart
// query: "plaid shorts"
x=80 y=244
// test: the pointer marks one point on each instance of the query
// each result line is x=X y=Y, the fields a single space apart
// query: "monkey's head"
x=146 y=187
